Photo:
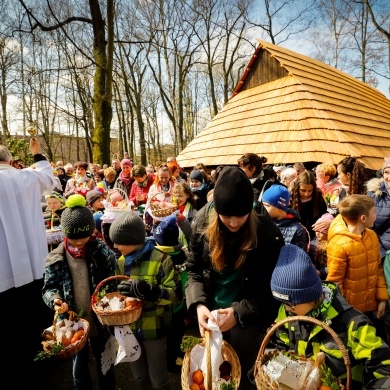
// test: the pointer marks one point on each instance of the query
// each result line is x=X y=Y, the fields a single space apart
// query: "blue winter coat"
x=376 y=189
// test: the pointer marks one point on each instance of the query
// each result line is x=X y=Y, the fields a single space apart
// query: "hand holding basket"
x=125 y=316
x=70 y=349
x=263 y=382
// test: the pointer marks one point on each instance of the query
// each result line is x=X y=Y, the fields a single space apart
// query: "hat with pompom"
x=167 y=232
x=77 y=220
x=295 y=279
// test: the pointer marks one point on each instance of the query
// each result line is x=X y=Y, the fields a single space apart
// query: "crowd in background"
x=237 y=227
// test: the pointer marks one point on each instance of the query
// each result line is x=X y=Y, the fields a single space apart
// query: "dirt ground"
x=57 y=374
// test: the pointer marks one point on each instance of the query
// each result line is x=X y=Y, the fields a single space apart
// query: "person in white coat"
x=23 y=248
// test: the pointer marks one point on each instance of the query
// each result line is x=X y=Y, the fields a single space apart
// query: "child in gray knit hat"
x=296 y=284
x=73 y=270
x=155 y=280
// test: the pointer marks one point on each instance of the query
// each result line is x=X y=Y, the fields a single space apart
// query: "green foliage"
x=328 y=378
x=228 y=386
x=42 y=355
x=188 y=342
x=19 y=148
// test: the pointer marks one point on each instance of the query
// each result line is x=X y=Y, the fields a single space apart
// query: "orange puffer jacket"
x=354 y=263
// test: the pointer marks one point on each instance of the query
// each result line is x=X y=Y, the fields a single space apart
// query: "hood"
x=55 y=255
x=338 y=226
x=376 y=185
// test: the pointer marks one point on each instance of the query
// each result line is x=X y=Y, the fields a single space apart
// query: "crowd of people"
x=255 y=242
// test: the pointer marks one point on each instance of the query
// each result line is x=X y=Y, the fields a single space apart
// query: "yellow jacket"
x=354 y=263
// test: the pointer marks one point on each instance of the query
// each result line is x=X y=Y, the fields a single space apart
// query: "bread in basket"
x=264 y=382
x=74 y=335
x=125 y=316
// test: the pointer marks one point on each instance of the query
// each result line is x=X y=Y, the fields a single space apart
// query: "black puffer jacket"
x=256 y=304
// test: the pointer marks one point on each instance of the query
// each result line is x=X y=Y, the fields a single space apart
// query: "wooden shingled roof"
x=290 y=108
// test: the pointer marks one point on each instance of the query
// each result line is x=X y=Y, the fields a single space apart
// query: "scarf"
x=125 y=179
x=144 y=183
x=77 y=253
x=125 y=262
x=200 y=188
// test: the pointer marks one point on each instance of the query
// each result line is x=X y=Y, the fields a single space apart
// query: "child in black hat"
x=155 y=280
x=232 y=253
x=199 y=188
x=73 y=270
x=296 y=284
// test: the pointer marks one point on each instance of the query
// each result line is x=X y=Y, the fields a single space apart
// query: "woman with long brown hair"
x=233 y=251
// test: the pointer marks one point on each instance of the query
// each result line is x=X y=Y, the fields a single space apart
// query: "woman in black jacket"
x=233 y=251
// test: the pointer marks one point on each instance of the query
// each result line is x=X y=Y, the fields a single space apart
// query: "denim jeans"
x=81 y=373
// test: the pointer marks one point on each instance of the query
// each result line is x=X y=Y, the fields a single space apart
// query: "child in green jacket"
x=155 y=280
x=296 y=284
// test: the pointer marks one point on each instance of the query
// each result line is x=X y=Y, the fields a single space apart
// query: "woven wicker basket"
x=156 y=210
x=263 y=382
x=115 y=212
x=74 y=348
x=125 y=316
x=228 y=353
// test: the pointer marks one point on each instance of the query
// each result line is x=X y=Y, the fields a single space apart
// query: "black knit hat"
x=233 y=192
x=128 y=229
x=295 y=279
x=77 y=220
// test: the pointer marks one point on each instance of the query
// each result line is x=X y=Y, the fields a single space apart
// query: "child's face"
x=233 y=223
x=98 y=205
x=272 y=211
x=343 y=177
x=182 y=198
x=195 y=183
x=53 y=204
x=305 y=191
x=79 y=243
x=321 y=236
x=127 y=249
x=369 y=219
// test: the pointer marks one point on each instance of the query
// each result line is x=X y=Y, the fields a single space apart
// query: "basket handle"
x=119 y=190
x=166 y=194
x=335 y=336
x=72 y=316
x=103 y=282
x=207 y=352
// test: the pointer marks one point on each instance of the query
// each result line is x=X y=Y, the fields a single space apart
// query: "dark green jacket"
x=369 y=355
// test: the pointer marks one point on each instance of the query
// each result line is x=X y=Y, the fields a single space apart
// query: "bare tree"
x=380 y=16
x=102 y=57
